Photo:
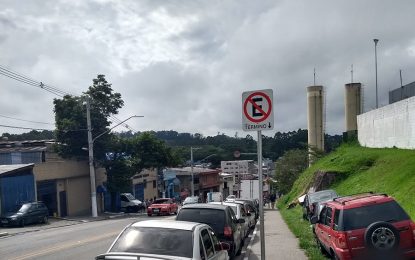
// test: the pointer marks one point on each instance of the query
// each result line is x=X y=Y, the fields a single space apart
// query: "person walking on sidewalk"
x=273 y=198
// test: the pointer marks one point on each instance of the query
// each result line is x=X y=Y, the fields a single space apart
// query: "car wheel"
x=382 y=236
x=44 y=220
x=333 y=255
x=148 y=214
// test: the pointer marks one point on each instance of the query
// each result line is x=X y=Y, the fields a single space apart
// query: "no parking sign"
x=257 y=110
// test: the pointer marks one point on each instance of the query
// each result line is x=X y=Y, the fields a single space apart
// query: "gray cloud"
x=184 y=64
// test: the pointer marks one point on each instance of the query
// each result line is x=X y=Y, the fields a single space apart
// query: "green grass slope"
x=358 y=169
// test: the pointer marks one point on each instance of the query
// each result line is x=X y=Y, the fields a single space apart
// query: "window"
x=336 y=219
x=201 y=249
x=329 y=212
x=207 y=242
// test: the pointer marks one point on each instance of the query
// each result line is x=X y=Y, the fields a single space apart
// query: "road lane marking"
x=65 y=246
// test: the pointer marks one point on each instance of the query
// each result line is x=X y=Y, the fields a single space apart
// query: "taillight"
x=341 y=241
x=227 y=231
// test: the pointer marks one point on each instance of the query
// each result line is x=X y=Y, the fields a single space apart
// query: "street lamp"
x=91 y=156
x=376 y=70
x=191 y=168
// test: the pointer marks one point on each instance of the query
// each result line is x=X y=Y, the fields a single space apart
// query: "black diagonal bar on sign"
x=257 y=107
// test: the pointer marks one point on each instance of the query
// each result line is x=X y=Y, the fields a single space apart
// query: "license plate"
x=156 y=210
x=4 y=221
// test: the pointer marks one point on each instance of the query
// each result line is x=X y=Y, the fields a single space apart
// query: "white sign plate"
x=257 y=110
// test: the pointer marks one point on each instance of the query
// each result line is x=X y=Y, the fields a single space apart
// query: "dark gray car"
x=27 y=213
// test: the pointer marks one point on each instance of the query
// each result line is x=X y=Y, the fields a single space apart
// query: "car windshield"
x=362 y=217
x=151 y=240
x=213 y=217
x=322 y=196
x=162 y=201
x=23 y=208
x=191 y=199
x=129 y=196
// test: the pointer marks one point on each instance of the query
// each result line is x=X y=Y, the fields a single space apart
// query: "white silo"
x=315 y=117
x=352 y=105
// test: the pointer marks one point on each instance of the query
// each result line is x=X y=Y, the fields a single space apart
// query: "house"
x=17 y=185
x=145 y=184
x=62 y=184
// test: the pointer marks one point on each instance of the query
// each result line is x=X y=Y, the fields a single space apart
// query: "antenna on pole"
x=314 y=76
x=351 y=72
x=400 y=74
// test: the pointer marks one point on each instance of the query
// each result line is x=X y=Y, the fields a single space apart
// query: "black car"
x=254 y=204
x=312 y=200
x=27 y=213
x=222 y=220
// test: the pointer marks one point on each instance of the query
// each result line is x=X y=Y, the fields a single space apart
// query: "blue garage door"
x=16 y=190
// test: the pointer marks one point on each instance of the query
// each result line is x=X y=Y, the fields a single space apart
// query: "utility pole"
x=191 y=169
x=91 y=161
x=91 y=155
x=376 y=70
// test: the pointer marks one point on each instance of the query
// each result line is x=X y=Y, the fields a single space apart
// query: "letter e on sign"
x=257 y=110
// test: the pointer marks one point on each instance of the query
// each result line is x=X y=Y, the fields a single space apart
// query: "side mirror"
x=313 y=220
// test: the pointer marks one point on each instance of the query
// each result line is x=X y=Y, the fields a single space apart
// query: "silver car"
x=166 y=239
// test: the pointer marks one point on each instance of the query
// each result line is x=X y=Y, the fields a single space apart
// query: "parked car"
x=164 y=239
x=230 y=198
x=366 y=226
x=240 y=213
x=26 y=213
x=312 y=198
x=254 y=204
x=164 y=206
x=130 y=204
x=221 y=218
x=191 y=200
x=249 y=211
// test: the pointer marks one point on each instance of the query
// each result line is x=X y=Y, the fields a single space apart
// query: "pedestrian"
x=273 y=198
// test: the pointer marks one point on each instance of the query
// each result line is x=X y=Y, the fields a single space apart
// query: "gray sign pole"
x=261 y=196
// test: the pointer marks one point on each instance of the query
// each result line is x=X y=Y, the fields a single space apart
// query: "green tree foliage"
x=147 y=151
x=32 y=135
x=288 y=168
x=71 y=124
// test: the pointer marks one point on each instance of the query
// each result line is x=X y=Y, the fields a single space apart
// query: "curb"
x=3 y=234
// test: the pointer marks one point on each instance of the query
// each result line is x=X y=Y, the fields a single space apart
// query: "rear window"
x=362 y=217
x=162 y=241
x=213 y=217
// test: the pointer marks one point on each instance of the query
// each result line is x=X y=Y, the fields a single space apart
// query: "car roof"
x=226 y=203
x=172 y=224
x=204 y=206
x=359 y=200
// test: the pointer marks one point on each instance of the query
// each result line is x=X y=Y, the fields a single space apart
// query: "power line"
x=29 y=81
x=26 y=120
x=26 y=128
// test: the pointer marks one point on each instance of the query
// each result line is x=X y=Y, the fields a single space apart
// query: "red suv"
x=365 y=226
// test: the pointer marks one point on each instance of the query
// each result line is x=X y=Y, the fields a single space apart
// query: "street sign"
x=257 y=110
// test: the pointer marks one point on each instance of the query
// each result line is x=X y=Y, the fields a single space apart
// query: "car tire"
x=45 y=220
x=149 y=215
x=321 y=247
x=382 y=236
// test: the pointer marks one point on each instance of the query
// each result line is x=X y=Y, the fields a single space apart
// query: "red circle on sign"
x=265 y=114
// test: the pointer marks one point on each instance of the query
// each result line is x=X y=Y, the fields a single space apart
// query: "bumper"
x=9 y=222
x=158 y=211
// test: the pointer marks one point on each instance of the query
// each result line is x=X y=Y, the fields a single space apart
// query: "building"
x=402 y=93
x=17 y=185
x=145 y=184
x=238 y=167
x=62 y=184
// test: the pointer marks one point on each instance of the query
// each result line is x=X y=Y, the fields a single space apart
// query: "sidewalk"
x=280 y=243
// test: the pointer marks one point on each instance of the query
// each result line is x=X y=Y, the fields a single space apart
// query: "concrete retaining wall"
x=388 y=126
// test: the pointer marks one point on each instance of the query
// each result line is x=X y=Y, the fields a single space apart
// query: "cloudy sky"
x=183 y=64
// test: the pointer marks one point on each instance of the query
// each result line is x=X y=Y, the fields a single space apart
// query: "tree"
x=70 y=118
x=288 y=168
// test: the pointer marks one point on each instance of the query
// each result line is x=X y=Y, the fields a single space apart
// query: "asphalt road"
x=80 y=241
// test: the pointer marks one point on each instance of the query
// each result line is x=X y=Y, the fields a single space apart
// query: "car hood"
x=141 y=256
x=11 y=215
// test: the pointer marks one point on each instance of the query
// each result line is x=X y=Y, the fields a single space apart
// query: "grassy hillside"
x=359 y=169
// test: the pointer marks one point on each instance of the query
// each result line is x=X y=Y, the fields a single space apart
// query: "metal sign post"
x=257 y=115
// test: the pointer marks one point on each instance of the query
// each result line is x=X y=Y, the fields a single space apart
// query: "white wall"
x=388 y=126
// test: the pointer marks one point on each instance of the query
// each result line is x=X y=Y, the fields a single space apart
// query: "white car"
x=167 y=240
